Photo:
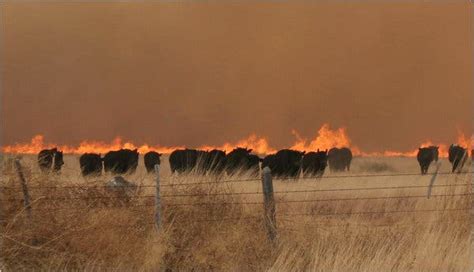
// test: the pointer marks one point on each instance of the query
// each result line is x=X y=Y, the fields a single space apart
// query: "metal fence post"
x=157 y=198
x=269 y=204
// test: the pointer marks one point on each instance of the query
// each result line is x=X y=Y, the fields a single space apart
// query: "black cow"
x=457 y=157
x=151 y=159
x=202 y=162
x=91 y=164
x=425 y=156
x=183 y=160
x=45 y=159
x=268 y=161
x=58 y=161
x=285 y=163
x=121 y=161
x=314 y=163
x=50 y=159
x=339 y=159
x=240 y=160
x=253 y=164
x=435 y=152
x=215 y=162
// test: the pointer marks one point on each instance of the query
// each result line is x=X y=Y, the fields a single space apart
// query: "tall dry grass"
x=87 y=227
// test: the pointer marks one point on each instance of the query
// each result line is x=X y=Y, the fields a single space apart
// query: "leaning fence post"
x=26 y=195
x=157 y=198
x=269 y=204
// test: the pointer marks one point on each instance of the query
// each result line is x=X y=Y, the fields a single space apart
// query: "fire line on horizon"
x=326 y=138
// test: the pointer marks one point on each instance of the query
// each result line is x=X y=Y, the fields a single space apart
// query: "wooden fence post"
x=157 y=198
x=26 y=195
x=269 y=204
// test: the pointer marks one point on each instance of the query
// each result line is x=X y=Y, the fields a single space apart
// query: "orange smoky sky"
x=392 y=73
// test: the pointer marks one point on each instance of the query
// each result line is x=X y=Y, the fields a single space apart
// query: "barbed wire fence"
x=269 y=202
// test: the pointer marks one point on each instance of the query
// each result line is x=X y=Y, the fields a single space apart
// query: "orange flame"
x=258 y=144
x=37 y=144
x=462 y=140
x=465 y=141
x=325 y=138
x=443 y=151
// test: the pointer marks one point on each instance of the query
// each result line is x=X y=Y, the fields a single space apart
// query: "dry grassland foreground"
x=351 y=221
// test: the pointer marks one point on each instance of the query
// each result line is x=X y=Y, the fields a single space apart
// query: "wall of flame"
x=325 y=138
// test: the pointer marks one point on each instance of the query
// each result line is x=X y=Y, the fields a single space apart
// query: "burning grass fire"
x=326 y=138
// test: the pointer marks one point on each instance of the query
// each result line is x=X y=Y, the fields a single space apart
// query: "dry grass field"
x=338 y=223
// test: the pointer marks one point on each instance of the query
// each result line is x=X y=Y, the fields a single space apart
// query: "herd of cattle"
x=285 y=163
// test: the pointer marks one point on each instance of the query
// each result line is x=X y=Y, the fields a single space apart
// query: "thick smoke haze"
x=394 y=74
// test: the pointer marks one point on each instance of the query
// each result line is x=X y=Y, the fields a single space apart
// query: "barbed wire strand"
x=250 y=203
x=232 y=181
x=396 y=225
x=122 y=208
x=372 y=175
x=314 y=200
x=256 y=193
x=243 y=218
x=372 y=212
x=82 y=198
x=332 y=214
x=373 y=188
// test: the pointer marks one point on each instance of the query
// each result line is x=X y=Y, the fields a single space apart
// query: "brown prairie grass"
x=83 y=226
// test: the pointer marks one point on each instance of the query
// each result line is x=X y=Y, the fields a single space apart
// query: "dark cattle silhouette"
x=435 y=152
x=339 y=159
x=121 y=161
x=240 y=159
x=268 y=161
x=58 y=161
x=425 y=156
x=151 y=159
x=202 y=162
x=183 y=160
x=472 y=154
x=457 y=157
x=285 y=163
x=45 y=159
x=254 y=164
x=91 y=164
x=50 y=160
x=314 y=163
x=215 y=162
